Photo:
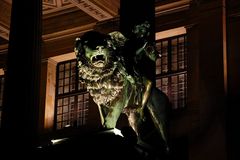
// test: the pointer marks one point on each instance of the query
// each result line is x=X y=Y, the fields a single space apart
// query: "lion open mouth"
x=98 y=60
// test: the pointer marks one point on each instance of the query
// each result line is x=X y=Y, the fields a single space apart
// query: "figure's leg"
x=158 y=108
x=134 y=120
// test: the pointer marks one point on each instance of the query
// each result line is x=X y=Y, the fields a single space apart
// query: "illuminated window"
x=1 y=96
x=71 y=97
x=171 y=69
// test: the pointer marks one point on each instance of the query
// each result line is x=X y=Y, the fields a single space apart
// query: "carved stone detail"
x=4 y=32
x=92 y=9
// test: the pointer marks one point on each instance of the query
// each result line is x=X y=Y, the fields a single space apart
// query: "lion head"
x=100 y=64
x=97 y=54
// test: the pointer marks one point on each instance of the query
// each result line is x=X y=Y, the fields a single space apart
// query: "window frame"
x=77 y=110
x=177 y=92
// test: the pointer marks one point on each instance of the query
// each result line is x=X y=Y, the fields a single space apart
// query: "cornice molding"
x=172 y=7
x=5 y=13
x=92 y=10
x=58 y=10
x=110 y=6
x=3 y=48
x=4 y=32
x=170 y=33
x=62 y=57
x=68 y=32
x=49 y=60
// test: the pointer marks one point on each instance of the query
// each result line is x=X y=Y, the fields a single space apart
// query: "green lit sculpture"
x=118 y=89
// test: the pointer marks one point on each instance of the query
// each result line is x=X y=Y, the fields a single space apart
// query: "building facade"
x=198 y=69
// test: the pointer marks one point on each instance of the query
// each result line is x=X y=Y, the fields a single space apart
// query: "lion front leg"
x=110 y=115
x=111 y=119
x=134 y=119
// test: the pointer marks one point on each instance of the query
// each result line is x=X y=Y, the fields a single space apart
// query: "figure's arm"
x=147 y=49
x=142 y=32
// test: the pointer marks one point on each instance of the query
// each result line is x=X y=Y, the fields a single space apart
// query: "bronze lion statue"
x=118 y=89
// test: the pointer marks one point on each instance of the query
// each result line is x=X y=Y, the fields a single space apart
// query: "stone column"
x=233 y=66
x=207 y=79
x=21 y=93
x=47 y=91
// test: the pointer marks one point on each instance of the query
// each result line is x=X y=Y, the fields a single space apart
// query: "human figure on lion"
x=117 y=86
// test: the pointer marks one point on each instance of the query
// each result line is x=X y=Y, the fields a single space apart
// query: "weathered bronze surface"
x=117 y=89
